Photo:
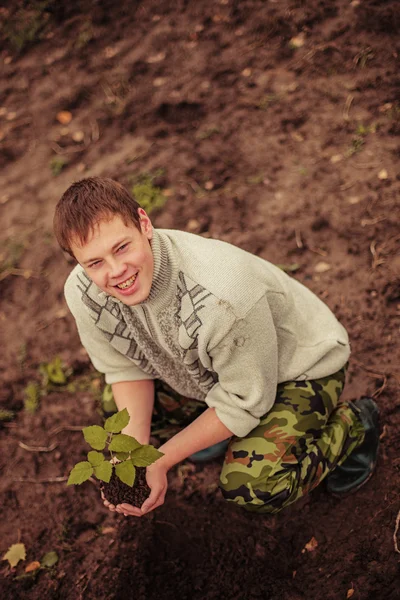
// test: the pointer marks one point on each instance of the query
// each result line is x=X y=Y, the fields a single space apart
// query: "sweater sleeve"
x=246 y=361
x=106 y=359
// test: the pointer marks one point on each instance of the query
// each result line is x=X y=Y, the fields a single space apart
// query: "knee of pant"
x=265 y=495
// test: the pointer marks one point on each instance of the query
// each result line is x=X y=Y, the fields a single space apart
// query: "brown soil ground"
x=275 y=125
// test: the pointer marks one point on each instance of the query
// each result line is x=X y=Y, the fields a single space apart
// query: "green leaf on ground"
x=14 y=554
x=31 y=397
x=95 y=436
x=53 y=372
x=6 y=415
x=104 y=471
x=123 y=443
x=107 y=400
x=145 y=456
x=95 y=458
x=117 y=422
x=80 y=473
x=126 y=472
x=49 y=559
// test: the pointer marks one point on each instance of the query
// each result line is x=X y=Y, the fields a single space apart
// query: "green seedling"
x=147 y=194
x=6 y=415
x=27 y=24
x=31 y=397
x=356 y=144
x=54 y=373
x=205 y=134
x=125 y=453
x=57 y=164
x=107 y=400
x=267 y=100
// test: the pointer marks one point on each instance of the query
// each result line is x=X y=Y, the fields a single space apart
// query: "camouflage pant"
x=305 y=435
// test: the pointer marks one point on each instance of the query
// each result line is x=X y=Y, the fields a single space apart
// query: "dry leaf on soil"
x=155 y=58
x=33 y=566
x=64 y=117
x=14 y=554
x=311 y=545
x=322 y=267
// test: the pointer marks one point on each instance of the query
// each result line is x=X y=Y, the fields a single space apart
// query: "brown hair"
x=87 y=202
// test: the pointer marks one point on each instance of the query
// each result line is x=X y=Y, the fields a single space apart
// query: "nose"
x=117 y=268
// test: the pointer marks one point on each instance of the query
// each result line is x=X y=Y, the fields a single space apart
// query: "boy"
x=261 y=355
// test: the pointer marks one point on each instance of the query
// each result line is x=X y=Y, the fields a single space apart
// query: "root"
x=396 y=530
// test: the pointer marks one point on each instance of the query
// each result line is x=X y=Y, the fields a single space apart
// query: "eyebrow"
x=122 y=241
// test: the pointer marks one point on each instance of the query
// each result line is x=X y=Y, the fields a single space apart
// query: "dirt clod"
x=118 y=492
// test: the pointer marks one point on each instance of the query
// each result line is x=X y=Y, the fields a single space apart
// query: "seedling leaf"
x=123 y=443
x=49 y=559
x=95 y=458
x=95 y=436
x=103 y=471
x=122 y=455
x=14 y=554
x=80 y=473
x=117 y=422
x=126 y=472
x=145 y=456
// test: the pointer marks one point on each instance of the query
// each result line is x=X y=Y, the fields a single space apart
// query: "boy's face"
x=118 y=258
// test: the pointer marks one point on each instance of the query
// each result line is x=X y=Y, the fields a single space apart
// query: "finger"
x=153 y=502
x=130 y=510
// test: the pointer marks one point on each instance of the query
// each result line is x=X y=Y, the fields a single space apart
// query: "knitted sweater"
x=219 y=325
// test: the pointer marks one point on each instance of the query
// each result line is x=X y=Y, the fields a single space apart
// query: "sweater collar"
x=165 y=270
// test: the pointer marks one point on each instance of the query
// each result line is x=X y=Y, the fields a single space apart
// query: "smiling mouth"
x=125 y=284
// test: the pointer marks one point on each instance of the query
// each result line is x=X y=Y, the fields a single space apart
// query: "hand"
x=156 y=476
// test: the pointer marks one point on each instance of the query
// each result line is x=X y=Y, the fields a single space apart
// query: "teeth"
x=127 y=283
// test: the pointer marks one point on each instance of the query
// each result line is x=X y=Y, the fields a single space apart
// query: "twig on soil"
x=375 y=375
x=373 y=221
x=375 y=255
x=384 y=432
x=347 y=106
x=95 y=130
x=38 y=448
x=318 y=251
x=26 y=273
x=59 y=150
x=50 y=480
x=347 y=186
x=66 y=428
x=366 y=165
x=299 y=241
x=396 y=529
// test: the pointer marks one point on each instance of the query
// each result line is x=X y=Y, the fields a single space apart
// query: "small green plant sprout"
x=31 y=397
x=126 y=453
x=54 y=373
x=57 y=164
x=149 y=196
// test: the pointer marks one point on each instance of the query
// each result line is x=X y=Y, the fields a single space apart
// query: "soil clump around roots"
x=118 y=492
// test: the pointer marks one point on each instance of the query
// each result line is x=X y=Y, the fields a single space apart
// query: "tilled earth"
x=272 y=125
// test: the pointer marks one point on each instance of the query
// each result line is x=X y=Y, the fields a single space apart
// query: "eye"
x=94 y=264
x=123 y=247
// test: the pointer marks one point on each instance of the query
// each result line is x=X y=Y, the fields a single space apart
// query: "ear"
x=145 y=224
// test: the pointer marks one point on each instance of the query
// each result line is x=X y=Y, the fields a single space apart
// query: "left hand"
x=156 y=476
